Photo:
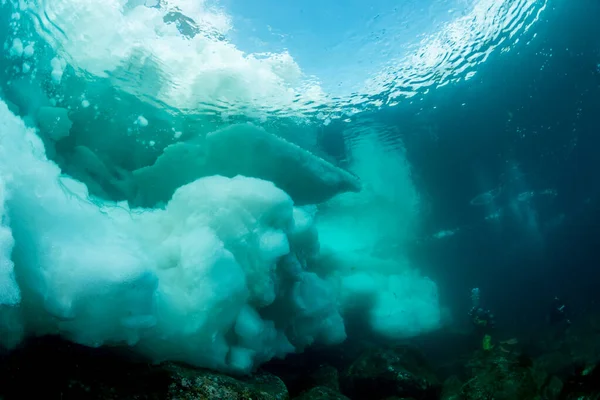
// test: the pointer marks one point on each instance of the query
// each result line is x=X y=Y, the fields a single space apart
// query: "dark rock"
x=381 y=373
x=321 y=393
x=194 y=384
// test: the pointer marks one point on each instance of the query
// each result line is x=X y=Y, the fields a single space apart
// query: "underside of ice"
x=230 y=273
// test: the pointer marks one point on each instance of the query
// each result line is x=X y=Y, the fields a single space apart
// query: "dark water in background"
x=528 y=122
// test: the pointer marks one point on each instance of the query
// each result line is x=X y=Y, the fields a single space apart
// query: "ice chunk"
x=201 y=291
x=312 y=296
x=10 y=295
x=80 y=267
x=304 y=237
x=141 y=121
x=332 y=330
x=258 y=338
x=214 y=275
x=273 y=244
x=315 y=312
x=239 y=210
x=58 y=68
x=28 y=51
x=248 y=324
x=241 y=359
x=180 y=163
x=398 y=301
x=246 y=150
x=17 y=48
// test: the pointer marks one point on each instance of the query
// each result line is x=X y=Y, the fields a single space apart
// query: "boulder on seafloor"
x=193 y=384
x=382 y=373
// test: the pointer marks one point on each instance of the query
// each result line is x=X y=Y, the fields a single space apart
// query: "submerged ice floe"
x=228 y=275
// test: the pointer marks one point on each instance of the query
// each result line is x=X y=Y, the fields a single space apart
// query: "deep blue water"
x=529 y=122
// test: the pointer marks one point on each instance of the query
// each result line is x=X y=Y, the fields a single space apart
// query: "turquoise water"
x=227 y=182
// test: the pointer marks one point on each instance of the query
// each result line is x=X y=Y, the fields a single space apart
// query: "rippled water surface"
x=318 y=58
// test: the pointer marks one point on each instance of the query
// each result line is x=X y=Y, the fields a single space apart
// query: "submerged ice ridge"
x=229 y=274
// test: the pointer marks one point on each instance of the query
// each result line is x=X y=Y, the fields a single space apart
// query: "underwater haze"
x=226 y=182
